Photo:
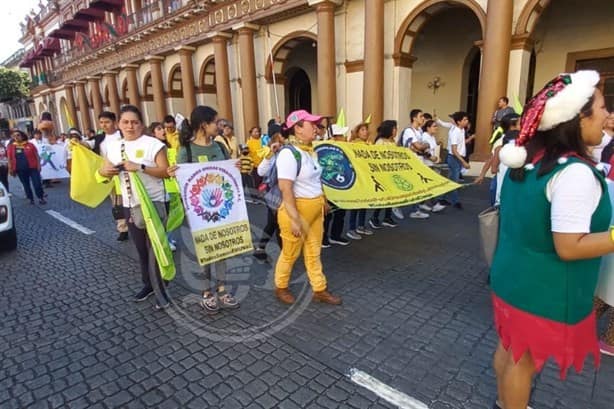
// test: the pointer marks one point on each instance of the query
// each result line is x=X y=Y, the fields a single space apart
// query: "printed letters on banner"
x=214 y=204
x=361 y=176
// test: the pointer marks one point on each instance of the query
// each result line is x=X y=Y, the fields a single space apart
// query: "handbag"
x=489 y=232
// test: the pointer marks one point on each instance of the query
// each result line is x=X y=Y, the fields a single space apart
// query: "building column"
x=96 y=96
x=495 y=65
x=518 y=73
x=70 y=106
x=327 y=73
x=222 y=74
x=84 y=108
x=373 y=86
x=248 y=75
x=133 y=84
x=155 y=64
x=111 y=77
x=187 y=77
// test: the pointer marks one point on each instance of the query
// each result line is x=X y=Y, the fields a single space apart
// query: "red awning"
x=75 y=25
x=107 y=5
x=62 y=33
x=27 y=60
x=50 y=46
x=38 y=53
x=89 y=14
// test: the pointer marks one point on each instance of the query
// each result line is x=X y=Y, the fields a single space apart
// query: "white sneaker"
x=172 y=246
x=353 y=235
x=364 y=231
x=438 y=207
x=398 y=213
x=419 y=215
x=425 y=207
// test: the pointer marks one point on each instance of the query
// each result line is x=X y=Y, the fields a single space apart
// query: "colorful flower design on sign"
x=211 y=197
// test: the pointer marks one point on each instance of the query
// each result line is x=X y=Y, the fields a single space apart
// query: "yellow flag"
x=71 y=123
x=341 y=118
x=518 y=105
x=84 y=187
x=368 y=120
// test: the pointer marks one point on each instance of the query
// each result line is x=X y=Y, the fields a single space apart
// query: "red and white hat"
x=559 y=101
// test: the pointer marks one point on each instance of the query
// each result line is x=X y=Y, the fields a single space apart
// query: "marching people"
x=271 y=227
x=336 y=216
x=545 y=268
x=429 y=158
x=138 y=153
x=108 y=123
x=24 y=162
x=358 y=226
x=255 y=144
x=198 y=145
x=386 y=135
x=227 y=137
x=456 y=151
x=301 y=214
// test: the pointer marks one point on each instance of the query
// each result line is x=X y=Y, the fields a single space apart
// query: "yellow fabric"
x=310 y=242
x=173 y=139
x=254 y=146
x=247 y=165
x=377 y=176
x=84 y=185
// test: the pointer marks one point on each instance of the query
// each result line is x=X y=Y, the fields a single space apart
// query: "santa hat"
x=559 y=101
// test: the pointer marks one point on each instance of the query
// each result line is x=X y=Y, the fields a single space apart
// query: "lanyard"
x=125 y=173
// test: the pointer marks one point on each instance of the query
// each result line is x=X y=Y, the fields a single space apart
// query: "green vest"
x=526 y=272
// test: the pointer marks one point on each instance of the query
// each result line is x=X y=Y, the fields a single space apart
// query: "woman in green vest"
x=554 y=219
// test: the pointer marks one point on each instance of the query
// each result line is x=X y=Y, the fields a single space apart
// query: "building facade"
x=256 y=59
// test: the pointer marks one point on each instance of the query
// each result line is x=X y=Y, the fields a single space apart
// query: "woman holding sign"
x=554 y=218
x=198 y=145
x=301 y=214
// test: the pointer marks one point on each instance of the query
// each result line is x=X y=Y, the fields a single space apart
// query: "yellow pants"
x=311 y=212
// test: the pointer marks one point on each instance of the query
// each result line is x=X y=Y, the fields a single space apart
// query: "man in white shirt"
x=457 y=152
x=108 y=123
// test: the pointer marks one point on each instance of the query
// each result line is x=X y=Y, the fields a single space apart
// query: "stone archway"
x=281 y=51
x=207 y=89
x=529 y=16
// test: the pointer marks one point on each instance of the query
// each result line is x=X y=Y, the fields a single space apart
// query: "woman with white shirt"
x=137 y=152
x=301 y=214
x=429 y=158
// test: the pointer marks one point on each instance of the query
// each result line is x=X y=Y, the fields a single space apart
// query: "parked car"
x=8 y=233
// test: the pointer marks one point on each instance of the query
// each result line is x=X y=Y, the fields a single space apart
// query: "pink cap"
x=301 y=115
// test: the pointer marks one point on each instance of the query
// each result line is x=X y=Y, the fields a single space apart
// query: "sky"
x=13 y=12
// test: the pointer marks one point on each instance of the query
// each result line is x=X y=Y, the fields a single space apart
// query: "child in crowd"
x=247 y=167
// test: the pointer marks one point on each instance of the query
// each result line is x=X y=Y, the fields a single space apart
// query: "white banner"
x=53 y=162
x=214 y=204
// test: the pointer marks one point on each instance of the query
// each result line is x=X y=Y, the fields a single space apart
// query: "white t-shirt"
x=432 y=142
x=412 y=134
x=40 y=144
x=598 y=150
x=307 y=184
x=108 y=138
x=456 y=136
x=574 y=193
x=142 y=151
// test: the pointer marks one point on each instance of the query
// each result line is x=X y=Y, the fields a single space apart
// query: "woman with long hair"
x=138 y=153
x=386 y=135
x=301 y=214
x=198 y=145
x=554 y=218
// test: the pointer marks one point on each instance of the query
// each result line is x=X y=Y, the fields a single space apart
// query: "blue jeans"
x=357 y=216
x=455 y=168
x=492 y=190
x=27 y=175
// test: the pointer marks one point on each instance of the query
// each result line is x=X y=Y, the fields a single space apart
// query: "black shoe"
x=42 y=201
x=123 y=236
x=260 y=254
x=144 y=294
x=375 y=224
x=445 y=202
x=458 y=206
x=340 y=241
x=388 y=222
x=325 y=244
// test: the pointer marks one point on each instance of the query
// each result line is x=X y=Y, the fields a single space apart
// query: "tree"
x=13 y=84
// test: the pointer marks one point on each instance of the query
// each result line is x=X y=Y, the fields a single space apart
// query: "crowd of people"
x=544 y=160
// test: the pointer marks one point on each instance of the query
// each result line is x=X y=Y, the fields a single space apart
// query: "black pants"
x=31 y=175
x=337 y=218
x=147 y=259
x=271 y=228
x=4 y=176
x=387 y=214
x=248 y=185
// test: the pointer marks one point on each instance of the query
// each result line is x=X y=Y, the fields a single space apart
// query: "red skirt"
x=543 y=338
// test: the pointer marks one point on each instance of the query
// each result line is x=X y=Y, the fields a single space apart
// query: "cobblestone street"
x=416 y=315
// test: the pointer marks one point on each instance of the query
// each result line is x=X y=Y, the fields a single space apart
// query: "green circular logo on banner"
x=402 y=183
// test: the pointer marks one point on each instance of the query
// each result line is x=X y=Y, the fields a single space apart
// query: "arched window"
x=125 y=99
x=175 y=84
x=148 y=88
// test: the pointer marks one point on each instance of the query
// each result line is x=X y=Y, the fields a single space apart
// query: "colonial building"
x=256 y=59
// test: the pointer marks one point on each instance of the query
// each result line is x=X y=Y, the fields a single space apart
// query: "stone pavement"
x=416 y=315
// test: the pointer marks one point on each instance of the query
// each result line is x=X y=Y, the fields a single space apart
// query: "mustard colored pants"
x=311 y=212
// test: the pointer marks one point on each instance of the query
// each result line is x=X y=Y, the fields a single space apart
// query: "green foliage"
x=13 y=84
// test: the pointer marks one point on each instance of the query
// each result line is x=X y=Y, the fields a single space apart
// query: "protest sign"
x=53 y=162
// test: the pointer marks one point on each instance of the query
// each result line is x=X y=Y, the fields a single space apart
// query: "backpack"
x=400 y=138
x=188 y=151
x=272 y=195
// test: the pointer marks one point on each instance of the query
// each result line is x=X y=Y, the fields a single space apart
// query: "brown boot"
x=326 y=298
x=284 y=295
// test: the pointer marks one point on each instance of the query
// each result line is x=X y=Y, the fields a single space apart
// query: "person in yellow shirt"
x=255 y=145
x=172 y=134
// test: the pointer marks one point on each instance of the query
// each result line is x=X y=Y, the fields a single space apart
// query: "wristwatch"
x=143 y=167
